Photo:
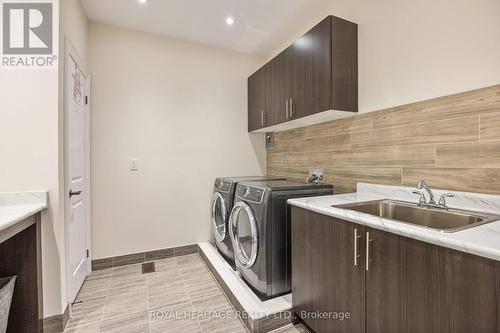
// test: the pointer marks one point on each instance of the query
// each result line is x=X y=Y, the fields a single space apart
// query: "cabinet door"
x=449 y=291
x=279 y=83
x=344 y=65
x=498 y=294
x=311 y=71
x=253 y=112
x=257 y=92
x=385 y=282
x=324 y=278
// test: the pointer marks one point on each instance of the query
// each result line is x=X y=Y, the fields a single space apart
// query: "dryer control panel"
x=250 y=193
x=223 y=185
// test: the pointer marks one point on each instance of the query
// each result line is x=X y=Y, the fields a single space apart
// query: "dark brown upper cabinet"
x=257 y=99
x=279 y=89
x=317 y=73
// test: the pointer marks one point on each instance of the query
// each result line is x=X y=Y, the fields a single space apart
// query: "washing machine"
x=222 y=203
x=260 y=231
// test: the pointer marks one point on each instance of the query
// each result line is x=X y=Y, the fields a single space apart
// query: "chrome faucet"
x=422 y=185
x=442 y=200
x=432 y=202
x=421 y=199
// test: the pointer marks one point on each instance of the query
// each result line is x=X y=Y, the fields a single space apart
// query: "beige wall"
x=28 y=146
x=180 y=108
x=416 y=50
x=74 y=25
x=29 y=149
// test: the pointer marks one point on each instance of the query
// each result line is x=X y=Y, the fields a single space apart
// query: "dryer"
x=260 y=231
x=222 y=203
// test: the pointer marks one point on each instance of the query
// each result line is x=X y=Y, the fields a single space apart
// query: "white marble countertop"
x=17 y=206
x=483 y=240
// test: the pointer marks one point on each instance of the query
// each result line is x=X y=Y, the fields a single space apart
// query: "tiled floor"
x=181 y=296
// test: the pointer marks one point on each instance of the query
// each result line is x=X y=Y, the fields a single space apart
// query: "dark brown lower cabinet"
x=398 y=284
x=324 y=280
x=20 y=256
x=385 y=282
x=498 y=295
x=449 y=291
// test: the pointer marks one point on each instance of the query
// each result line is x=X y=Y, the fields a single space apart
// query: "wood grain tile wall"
x=452 y=142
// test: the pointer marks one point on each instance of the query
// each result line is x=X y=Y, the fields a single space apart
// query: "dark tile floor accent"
x=181 y=296
x=148 y=267
x=137 y=258
x=159 y=254
x=99 y=264
x=129 y=259
x=188 y=249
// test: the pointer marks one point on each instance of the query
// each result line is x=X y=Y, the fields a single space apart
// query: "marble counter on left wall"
x=17 y=206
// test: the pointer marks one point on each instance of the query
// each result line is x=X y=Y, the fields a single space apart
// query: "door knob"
x=71 y=193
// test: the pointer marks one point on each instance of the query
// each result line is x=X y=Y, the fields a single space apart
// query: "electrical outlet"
x=269 y=140
x=315 y=171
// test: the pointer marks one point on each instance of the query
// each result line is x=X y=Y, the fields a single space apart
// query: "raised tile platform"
x=258 y=316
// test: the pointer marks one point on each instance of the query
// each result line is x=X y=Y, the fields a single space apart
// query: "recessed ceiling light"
x=143 y=1
x=229 y=21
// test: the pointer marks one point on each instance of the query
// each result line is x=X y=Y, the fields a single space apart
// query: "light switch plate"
x=133 y=165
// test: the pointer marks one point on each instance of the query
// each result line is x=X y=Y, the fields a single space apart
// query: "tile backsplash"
x=452 y=142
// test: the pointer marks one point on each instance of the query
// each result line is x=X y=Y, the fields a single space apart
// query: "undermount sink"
x=444 y=220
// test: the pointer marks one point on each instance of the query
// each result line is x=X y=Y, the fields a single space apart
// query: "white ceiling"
x=260 y=25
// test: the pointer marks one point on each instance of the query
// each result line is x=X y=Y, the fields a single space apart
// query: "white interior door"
x=77 y=172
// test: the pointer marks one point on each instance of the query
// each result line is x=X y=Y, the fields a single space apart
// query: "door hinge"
x=88 y=253
x=86 y=100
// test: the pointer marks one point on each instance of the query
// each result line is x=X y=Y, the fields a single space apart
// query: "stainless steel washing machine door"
x=219 y=217
x=244 y=234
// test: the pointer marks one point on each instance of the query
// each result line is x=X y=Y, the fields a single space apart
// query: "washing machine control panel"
x=222 y=185
x=250 y=193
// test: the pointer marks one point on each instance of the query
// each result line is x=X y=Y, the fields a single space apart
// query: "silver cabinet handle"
x=368 y=241
x=291 y=107
x=356 y=254
x=262 y=117
x=286 y=108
